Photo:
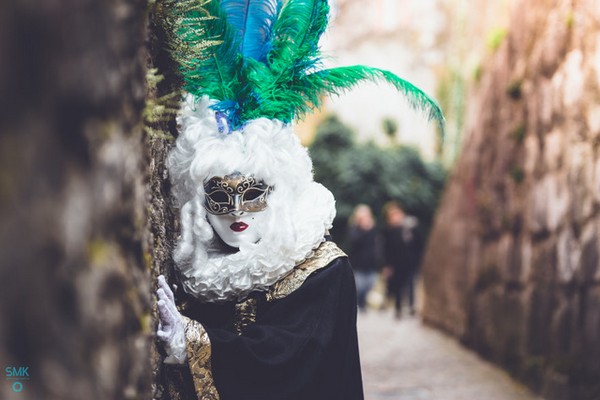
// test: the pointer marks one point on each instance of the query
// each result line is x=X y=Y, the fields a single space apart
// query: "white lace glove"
x=170 y=325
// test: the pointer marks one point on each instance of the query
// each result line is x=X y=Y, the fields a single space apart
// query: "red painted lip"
x=238 y=226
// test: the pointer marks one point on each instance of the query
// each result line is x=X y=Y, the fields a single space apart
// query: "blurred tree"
x=366 y=173
x=333 y=140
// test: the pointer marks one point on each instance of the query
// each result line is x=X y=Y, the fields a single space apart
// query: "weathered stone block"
x=596 y=60
x=590 y=254
x=542 y=304
x=580 y=178
x=543 y=262
x=526 y=259
x=553 y=43
x=591 y=324
x=500 y=324
x=596 y=185
x=568 y=253
x=592 y=116
x=574 y=79
x=555 y=386
x=532 y=151
x=564 y=325
x=554 y=146
x=545 y=103
x=509 y=256
x=557 y=81
x=549 y=203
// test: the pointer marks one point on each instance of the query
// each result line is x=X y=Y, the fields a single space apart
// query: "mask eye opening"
x=252 y=194
x=220 y=197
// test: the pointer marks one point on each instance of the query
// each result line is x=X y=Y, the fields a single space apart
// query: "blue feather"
x=252 y=20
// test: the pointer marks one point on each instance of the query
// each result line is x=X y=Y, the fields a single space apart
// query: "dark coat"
x=303 y=346
x=364 y=249
x=402 y=248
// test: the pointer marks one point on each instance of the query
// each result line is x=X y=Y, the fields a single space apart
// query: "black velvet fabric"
x=302 y=347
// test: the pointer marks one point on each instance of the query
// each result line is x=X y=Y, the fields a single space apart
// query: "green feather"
x=337 y=80
x=278 y=89
x=273 y=97
x=296 y=34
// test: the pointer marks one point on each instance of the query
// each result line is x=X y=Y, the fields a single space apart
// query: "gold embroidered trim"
x=245 y=314
x=322 y=256
x=198 y=349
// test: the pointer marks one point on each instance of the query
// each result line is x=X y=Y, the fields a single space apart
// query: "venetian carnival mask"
x=235 y=205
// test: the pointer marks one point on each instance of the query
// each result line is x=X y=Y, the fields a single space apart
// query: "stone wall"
x=513 y=264
x=74 y=254
x=162 y=104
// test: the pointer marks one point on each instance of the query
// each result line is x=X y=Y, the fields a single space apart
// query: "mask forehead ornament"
x=235 y=192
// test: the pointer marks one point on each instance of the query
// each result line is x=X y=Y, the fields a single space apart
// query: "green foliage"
x=517 y=174
x=366 y=173
x=569 y=20
x=495 y=38
x=518 y=134
x=158 y=110
x=478 y=73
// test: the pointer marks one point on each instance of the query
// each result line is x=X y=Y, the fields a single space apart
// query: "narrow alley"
x=406 y=360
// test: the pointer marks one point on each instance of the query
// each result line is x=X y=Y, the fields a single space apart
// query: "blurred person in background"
x=364 y=252
x=402 y=249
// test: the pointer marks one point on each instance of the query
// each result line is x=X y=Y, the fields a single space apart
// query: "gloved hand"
x=170 y=325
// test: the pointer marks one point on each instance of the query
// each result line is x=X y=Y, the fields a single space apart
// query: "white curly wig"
x=299 y=212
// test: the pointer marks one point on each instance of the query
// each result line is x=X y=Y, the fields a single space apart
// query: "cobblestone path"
x=405 y=360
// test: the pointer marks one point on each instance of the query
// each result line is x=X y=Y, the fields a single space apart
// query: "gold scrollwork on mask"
x=235 y=192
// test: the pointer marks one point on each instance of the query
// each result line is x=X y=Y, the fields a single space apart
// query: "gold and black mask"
x=235 y=192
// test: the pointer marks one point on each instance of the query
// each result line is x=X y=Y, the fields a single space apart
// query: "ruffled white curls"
x=299 y=211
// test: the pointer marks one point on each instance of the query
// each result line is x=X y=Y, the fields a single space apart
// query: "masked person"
x=267 y=308
x=271 y=310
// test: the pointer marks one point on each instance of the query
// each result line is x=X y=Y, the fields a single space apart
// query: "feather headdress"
x=260 y=58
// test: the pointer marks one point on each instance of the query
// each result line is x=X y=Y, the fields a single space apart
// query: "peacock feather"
x=261 y=58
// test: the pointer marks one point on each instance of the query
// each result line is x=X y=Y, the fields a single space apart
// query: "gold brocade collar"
x=321 y=257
